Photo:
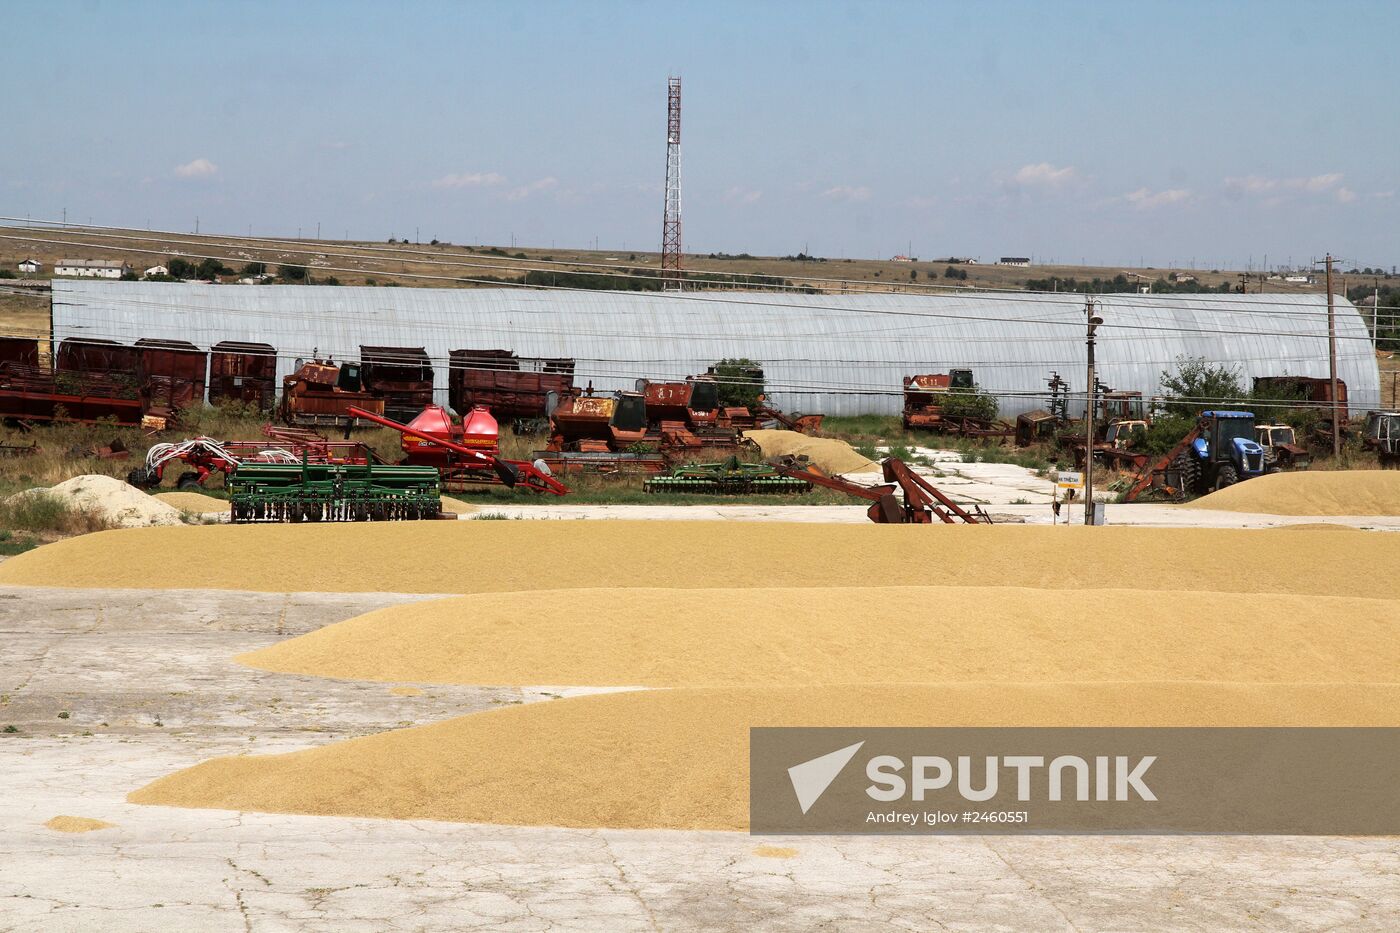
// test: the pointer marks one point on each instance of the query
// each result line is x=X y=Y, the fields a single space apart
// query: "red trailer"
x=172 y=375
x=243 y=372
x=105 y=359
x=401 y=376
x=519 y=389
x=21 y=350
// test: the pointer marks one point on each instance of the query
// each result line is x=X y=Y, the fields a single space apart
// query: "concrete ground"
x=148 y=685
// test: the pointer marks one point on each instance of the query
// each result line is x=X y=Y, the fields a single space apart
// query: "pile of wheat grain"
x=1309 y=492
x=828 y=454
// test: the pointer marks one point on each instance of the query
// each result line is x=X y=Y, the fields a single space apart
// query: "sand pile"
x=193 y=502
x=77 y=824
x=1341 y=492
x=828 y=454
x=469 y=557
x=679 y=758
x=931 y=635
x=119 y=504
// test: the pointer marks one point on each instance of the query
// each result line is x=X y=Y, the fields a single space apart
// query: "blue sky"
x=1115 y=133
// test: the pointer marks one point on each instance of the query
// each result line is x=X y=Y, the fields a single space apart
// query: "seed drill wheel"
x=188 y=481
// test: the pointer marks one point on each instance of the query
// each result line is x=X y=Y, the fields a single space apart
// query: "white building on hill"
x=92 y=268
x=31 y=266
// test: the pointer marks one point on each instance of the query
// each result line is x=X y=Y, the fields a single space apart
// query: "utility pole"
x=1375 y=317
x=1093 y=321
x=1332 y=362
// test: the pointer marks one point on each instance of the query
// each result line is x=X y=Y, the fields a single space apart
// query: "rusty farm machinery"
x=918 y=502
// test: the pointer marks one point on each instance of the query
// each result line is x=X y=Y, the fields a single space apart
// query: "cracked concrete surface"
x=155 y=668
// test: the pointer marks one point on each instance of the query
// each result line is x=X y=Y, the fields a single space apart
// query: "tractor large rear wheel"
x=1227 y=476
x=1190 y=471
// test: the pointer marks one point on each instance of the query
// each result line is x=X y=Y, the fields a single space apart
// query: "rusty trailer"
x=243 y=372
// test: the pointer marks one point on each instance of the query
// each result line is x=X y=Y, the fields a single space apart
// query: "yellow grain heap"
x=457 y=506
x=930 y=635
x=828 y=454
x=77 y=824
x=1341 y=492
x=679 y=758
x=470 y=557
x=193 y=502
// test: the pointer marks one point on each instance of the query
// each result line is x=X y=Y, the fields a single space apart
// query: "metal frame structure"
x=671 y=217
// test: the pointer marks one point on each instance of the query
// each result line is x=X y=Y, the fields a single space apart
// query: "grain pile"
x=1341 y=492
x=679 y=758
x=119 y=504
x=77 y=824
x=457 y=507
x=471 y=557
x=828 y=454
x=665 y=638
x=193 y=502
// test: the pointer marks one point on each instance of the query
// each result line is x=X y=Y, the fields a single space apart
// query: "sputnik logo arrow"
x=811 y=778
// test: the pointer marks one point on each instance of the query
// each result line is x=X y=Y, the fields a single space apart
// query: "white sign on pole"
x=1064 y=479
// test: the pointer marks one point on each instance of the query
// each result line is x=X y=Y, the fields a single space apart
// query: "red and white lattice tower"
x=671 y=219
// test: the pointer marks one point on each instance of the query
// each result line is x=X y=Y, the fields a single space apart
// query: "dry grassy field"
x=358 y=262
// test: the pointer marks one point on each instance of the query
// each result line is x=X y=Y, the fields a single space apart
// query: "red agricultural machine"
x=433 y=440
x=206 y=456
x=927 y=408
x=919 y=502
x=322 y=392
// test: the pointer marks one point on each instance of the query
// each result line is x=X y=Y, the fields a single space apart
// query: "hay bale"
x=117 y=503
x=761 y=636
x=678 y=759
x=828 y=454
x=1309 y=492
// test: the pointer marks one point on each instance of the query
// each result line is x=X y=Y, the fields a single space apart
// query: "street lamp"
x=1094 y=320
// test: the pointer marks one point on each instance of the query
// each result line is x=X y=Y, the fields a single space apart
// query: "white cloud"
x=1346 y=195
x=1043 y=174
x=470 y=180
x=1383 y=195
x=1144 y=200
x=1311 y=184
x=199 y=168
x=737 y=195
x=847 y=193
x=524 y=191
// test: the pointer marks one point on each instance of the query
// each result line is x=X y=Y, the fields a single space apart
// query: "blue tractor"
x=1222 y=453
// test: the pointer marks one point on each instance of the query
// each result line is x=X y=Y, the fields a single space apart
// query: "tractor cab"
x=1383 y=436
x=1274 y=435
x=1125 y=433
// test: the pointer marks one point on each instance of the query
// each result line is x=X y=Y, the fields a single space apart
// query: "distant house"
x=904 y=259
x=31 y=266
x=92 y=268
x=1300 y=279
x=1183 y=277
x=1013 y=261
x=156 y=270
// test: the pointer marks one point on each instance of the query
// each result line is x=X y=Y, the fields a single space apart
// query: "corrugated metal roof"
x=841 y=354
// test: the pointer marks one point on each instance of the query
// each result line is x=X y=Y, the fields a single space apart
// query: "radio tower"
x=671 y=219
